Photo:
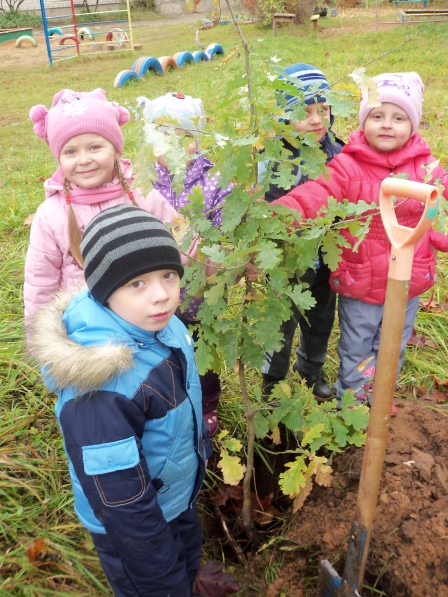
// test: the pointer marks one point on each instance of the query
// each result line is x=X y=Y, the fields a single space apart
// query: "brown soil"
x=409 y=548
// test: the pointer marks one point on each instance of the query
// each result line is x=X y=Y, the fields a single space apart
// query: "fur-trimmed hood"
x=66 y=363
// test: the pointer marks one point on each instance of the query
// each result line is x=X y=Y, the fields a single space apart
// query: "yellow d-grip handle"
x=402 y=238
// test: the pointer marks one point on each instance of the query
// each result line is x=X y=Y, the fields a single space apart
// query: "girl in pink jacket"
x=83 y=133
x=387 y=145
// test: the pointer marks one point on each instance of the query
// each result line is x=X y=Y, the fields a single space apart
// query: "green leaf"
x=268 y=257
x=332 y=251
x=261 y=425
x=232 y=468
x=312 y=434
x=203 y=356
x=357 y=417
x=294 y=419
x=293 y=479
x=233 y=444
x=340 y=431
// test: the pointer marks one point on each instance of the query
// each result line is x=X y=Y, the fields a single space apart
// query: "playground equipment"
x=164 y=63
x=23 y=38
x=7 y=34
x=422 y=16
x=84 y=37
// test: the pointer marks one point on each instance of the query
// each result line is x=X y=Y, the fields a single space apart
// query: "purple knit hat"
x=402 y=89
x=75 y=113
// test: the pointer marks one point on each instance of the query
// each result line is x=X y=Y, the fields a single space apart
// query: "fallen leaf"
x=211 y=581
x=417 y=340
x=440 y=382
x=229 y=492
x=262 y=509
x=435 y=396
x=35 y=550
x=424 y=125
x=27 y=221
x=41 y=179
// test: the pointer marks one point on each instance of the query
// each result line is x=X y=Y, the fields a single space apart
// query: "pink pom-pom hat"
x=402 y=89
x=76 y=113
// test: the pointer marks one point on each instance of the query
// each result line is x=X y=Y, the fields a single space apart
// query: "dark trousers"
x=314 y=333
x=186 y=529
x=210 y=382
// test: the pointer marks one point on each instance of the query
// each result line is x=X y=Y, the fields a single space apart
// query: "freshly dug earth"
x=409 y=548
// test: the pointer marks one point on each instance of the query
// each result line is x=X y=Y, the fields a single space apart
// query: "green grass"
x=35 y=496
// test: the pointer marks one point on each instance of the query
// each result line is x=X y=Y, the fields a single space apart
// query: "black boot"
x=317 y=382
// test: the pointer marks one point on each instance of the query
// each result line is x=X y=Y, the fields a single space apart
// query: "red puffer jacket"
x=356 y=174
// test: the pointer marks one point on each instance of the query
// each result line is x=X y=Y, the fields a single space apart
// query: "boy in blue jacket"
x=129 y=404
x=316 y=325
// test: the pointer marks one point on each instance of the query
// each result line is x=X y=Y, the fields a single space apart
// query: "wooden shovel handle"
x=402 y=238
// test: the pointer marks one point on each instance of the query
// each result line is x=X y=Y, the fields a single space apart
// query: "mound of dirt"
x=409 y=548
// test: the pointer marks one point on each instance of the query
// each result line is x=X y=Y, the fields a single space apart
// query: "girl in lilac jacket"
x=189 y=114
x=83 y=132
x=387 y=145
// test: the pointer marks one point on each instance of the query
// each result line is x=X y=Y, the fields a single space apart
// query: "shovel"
x=403 y=241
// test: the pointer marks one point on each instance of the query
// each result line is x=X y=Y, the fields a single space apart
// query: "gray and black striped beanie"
x=122 y=243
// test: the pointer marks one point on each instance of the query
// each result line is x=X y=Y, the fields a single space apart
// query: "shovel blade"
x=330 y=584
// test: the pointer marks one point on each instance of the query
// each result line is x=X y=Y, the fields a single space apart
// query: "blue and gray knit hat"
x=308 y=76
x=124 y=242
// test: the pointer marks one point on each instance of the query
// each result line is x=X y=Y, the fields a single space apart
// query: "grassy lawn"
x=35 y=495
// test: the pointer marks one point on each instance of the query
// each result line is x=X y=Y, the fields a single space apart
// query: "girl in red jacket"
x=388 y=144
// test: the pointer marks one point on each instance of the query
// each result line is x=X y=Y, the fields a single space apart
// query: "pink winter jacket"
x=49 y=265
x=356 y=174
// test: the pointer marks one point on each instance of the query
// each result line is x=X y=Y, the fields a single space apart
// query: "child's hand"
x=251 y=272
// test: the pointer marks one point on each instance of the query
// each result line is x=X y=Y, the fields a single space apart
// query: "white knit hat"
x=185 y=110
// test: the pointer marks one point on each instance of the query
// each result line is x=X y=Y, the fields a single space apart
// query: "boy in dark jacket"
x=129 y=404
x=314 y=333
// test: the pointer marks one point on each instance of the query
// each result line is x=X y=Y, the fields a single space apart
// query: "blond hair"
x=74 y=232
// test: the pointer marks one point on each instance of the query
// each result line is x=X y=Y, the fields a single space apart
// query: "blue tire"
x=53 y=30
x=200 y=55
x=213 y=49
x=149 y=63
x=123 y=77
x=182 y=58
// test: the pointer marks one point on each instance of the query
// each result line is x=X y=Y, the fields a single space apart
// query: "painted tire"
x=64 y=38
x=123 y=77
x=115 y=30
x=200 y=55
x=167 y=62
x=23 y=38
x=182 y=58
x=54 y=30
x=213 y=49
x=137 y=63
x=85 y=31
x=149 y=63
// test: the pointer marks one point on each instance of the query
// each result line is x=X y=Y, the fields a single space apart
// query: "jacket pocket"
x=352 y=279
x=423 y=275
x=116 y=471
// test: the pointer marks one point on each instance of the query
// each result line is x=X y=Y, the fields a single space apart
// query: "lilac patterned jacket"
x=214 y=199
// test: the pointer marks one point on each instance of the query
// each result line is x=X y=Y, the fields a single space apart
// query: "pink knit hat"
x=402 y=89
x=75 y=113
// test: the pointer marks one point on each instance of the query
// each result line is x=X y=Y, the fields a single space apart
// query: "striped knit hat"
x=307 y=76
x=122 y=243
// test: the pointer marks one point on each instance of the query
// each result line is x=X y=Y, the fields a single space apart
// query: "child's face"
x=314 y=121
x=191 y=149
x=88 y=160
x=387 y=128
x=148 y=301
